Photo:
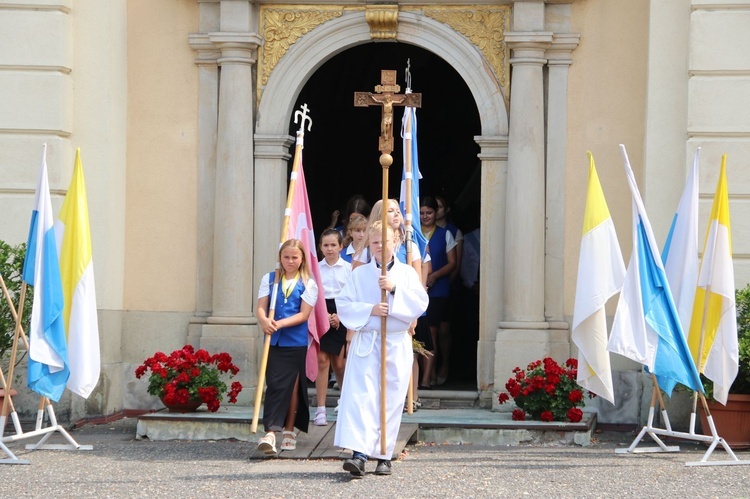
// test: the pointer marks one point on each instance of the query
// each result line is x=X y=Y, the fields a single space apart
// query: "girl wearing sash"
x=286 y=403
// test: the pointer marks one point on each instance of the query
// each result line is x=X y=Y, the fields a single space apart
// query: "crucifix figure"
x=386 y=95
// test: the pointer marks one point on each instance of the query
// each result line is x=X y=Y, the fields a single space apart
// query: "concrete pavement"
x=121 y=467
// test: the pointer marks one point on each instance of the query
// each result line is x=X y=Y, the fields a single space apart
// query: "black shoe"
x=383 y=467
x=355 y=466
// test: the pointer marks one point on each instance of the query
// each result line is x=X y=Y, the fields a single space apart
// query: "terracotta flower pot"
x=732 y=421
x=190 y=406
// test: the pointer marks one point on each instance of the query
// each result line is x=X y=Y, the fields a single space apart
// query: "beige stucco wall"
x=160 y=226
x=606 y=107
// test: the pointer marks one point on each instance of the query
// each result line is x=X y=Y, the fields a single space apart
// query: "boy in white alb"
x=360 y=309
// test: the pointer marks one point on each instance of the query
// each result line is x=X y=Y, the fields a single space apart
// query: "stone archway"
x=272 y=141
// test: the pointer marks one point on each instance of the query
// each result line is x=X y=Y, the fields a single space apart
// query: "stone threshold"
x=439 y=426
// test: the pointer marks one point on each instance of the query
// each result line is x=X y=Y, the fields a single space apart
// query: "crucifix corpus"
x=386 y=95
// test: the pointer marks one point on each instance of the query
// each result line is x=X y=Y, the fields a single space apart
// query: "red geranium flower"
x=575 y=396
x=575 y=414
x=547 y=416
x=503 y=397
x=518 y=415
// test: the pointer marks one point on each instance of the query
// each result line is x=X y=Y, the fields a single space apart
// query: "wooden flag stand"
x=44 y=403
x=714 y=439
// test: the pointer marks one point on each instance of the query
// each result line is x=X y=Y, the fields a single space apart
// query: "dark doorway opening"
x=341 y=150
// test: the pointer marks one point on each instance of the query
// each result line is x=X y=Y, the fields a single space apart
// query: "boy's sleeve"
x=352 y=313
x=410 y=300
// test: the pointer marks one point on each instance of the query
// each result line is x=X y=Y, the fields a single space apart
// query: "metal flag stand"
x=714 y=439
x=44 y=403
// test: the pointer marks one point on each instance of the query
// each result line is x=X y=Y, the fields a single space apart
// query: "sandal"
x=267 y=444
x=320 y=418
x=415 y=405
x=289 y=442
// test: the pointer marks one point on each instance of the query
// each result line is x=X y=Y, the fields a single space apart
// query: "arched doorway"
x=341 y=155
x=272 y=144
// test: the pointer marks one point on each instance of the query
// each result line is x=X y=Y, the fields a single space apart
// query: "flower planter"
x=732 y=421
x=190 y=406
x=187 y=374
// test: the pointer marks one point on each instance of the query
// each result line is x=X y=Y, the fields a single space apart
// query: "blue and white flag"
x=680 y=254
x=411 y=174
x=48 y=369
x=646 y=327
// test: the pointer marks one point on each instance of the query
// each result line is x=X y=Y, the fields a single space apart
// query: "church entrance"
x=341 y=156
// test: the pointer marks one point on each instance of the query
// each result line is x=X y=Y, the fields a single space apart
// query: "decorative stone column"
x=525 y=196
x=524 y=334
x=232 y=327
x=208 y=110
x=558 y=62
x=494 y=158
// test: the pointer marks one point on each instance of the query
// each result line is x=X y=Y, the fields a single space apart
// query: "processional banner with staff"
x=301 y=227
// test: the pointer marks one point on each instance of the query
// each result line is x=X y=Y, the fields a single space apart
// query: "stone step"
x=430 y=399
x=440 y=426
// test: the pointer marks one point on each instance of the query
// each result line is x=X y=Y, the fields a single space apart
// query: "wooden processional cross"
x=386 y=95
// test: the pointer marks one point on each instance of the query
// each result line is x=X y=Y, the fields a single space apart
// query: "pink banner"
x=301 y=227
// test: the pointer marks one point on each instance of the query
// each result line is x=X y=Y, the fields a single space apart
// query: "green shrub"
x=742 y=382
x=11 y=269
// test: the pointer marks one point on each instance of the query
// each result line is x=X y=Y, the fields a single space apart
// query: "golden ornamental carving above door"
x=281 y=26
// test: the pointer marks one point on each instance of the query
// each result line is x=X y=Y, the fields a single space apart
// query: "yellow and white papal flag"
x=601 y=272
x=73 y=235
x=714 y=309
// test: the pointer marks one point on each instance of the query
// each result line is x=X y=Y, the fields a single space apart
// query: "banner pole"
x=408 y=173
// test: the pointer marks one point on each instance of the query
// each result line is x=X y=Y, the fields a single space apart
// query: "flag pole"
x=408 y=173
x=701 y=343
x=407 y=219
x=385 y=161
x=277 y=275
x=700 y=358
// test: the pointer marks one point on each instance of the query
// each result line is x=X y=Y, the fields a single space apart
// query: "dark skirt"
x=334 y=340
x=285 y=366
x=437 y=310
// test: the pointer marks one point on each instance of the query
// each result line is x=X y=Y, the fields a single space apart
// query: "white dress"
x=358 y=424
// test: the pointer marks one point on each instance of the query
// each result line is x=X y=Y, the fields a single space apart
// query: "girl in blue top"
x=286 y=403
x=442 y=247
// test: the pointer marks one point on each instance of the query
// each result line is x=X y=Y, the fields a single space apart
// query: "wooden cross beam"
x=386 y=95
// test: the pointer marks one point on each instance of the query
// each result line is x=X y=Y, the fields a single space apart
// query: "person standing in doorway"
x=442 y=248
